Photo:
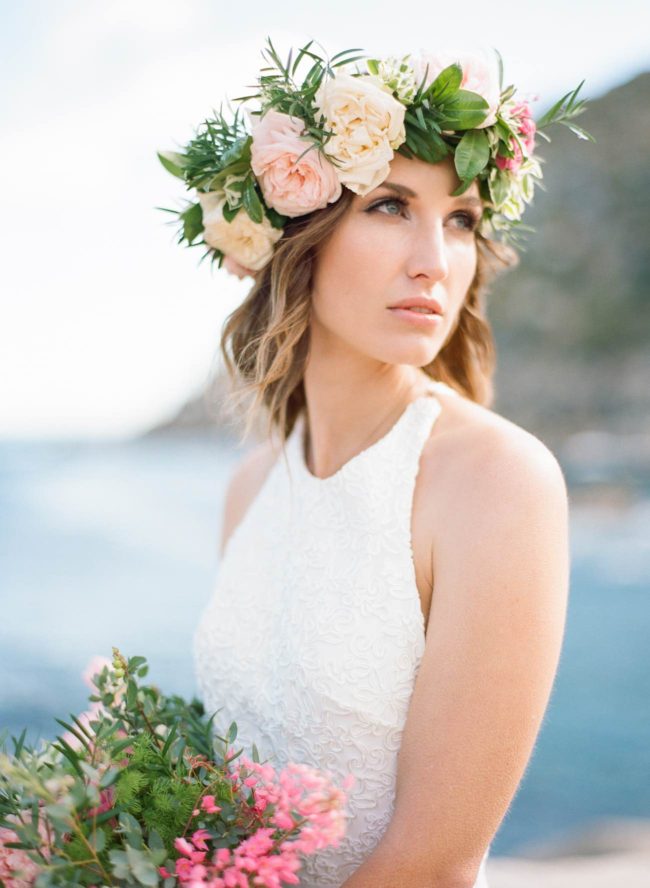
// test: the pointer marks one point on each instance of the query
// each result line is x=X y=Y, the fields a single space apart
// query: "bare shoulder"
x=476 y=458
x=244 y=484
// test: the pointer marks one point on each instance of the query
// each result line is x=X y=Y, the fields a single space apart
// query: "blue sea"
x=116 y=543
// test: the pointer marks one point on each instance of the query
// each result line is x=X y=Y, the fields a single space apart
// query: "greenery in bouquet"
x=140 y=790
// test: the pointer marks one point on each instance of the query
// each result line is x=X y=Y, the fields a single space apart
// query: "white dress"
x=312 y=638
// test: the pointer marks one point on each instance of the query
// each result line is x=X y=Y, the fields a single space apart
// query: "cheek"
x=350 y=272
x=463 y=261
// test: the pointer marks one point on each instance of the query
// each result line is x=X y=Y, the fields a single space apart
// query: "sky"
x=107 y=325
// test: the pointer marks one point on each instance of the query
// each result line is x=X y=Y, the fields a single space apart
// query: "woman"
x=394 y=568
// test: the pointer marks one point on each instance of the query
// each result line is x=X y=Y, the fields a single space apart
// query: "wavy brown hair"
x=265 y=340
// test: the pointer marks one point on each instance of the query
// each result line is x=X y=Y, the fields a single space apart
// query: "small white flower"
x=399 y=77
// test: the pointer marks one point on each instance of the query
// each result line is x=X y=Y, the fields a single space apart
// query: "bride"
x=392 y=588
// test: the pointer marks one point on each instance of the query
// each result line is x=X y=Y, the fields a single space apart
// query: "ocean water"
x=106 y=544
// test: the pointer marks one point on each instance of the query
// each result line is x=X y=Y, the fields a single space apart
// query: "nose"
x=428 y=252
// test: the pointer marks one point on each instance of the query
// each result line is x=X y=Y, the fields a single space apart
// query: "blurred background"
x=113 y=455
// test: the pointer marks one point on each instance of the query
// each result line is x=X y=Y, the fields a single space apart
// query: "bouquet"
x=140 y=790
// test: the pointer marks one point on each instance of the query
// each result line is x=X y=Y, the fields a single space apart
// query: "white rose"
x=249 y=243
x=368 y=124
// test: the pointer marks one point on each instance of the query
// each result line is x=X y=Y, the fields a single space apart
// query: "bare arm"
x=243 y=486
x=494 y=636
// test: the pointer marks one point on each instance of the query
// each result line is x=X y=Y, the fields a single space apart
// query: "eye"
x=471 y=220
x=398 y=201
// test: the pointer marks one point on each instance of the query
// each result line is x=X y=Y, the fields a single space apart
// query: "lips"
x=420 y=303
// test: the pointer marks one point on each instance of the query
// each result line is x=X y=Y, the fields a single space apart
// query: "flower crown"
x=340 y=128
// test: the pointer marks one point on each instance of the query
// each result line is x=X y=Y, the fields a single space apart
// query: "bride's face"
x=393 y=245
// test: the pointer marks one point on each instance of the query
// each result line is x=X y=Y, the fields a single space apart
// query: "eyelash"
x=472 y=218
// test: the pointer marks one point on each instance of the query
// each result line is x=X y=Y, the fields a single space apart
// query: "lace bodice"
x=313 y=636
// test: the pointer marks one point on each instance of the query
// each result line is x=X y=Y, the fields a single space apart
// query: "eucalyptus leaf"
x=141 y=867
x=98 y=840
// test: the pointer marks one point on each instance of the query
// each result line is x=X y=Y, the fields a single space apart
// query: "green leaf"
x=131 y=693
x=135 y=662
x=499 y=188
x=173 y=162
x=98 y=840
x=70 y=754
x=464 y=111
x=80 y=737
x=232 y=732
x=446 y=84
x=500 y=63
x=373 y=65
x=109 y=777
x=301 y=53
x=142 y=868
x=18 y=744
x=578 y=131
x=472 y=154
x=192 y=219
x=462 y=188
x=430 y=147
x=251 y=201
x=229 y=213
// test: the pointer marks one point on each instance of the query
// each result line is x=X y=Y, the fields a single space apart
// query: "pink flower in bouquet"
x=209 y=806
x=290 y=185
x=305 y=803
x=106 y=801
x=17 y=869
x=14 y=861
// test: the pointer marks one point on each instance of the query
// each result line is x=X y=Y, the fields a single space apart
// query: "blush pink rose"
x=291 y=186
x=233 y=267
x=480 y=75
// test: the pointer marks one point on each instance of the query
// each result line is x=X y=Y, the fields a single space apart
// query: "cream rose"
x=290 y=185
x=248 y=243
x=480 y=75
x=368 y=124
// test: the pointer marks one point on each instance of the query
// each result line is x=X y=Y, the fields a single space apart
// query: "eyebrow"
x=468 y=199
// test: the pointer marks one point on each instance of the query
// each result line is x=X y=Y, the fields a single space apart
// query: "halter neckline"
x=298 y=439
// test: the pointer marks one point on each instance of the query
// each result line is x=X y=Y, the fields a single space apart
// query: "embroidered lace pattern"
x=313 y=636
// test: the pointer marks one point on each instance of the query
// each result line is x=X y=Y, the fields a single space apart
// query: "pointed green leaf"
x=446 y=84
x=472 y=154
x=192 y=219
x=173 y=162
x=462 y=188
x=464 y=111
x=251 y=201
